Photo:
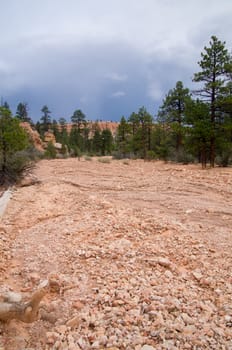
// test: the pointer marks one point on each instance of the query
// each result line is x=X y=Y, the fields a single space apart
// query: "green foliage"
x=6 y=106
x=22 y=112
x=78 y=118
x=172 y=112
x=151 y=155
x=107 y=142
x=50 y=152
x=216 y=67
x=134 y=135
x=186 y=130
x=225 y=158
x=198 y=130
x=123 y=133
x=76 y=152
x=13 y=140
x=97 y=142
x=18 y=164
x=64 y=149
x=45 y=119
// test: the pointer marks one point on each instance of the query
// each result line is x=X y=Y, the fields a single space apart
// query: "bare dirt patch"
x=140 y=252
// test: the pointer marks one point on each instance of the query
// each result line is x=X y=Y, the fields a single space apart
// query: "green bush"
x=104 y=160
x=17 y=165
x=16 y=153
x=75 y=152
x=151 y=155
x=224 y=160
x=50 y=152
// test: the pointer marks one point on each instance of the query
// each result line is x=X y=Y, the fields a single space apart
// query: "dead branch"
x=24 y=311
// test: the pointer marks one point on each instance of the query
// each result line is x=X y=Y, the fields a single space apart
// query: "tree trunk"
x=212 y=151
x=213 y=115
x=203 y=157
x=24 y=311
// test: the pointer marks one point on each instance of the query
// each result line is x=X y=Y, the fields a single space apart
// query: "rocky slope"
x=140 y=254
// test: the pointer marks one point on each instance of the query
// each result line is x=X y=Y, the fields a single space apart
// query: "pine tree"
x=172 y=112
x=45 y=119
x=145 y=120
x=215 y=66
x=123 y=137
x=22 y=112
x=13 y=139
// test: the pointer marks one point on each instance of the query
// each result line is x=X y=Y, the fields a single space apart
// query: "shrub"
x=151 y=155
x=16 y=166
x=118 y=155
x=104 y=160
x=75 y=152
x=224 y=160
x=50 y=152
x=15 y=156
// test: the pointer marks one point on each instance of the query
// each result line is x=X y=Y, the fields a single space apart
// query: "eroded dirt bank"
x=141 y=253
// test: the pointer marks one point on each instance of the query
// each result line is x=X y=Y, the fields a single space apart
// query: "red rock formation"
x=34 y=136
x=112 y=126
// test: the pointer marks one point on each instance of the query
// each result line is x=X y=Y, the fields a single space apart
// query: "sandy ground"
x=141 y=252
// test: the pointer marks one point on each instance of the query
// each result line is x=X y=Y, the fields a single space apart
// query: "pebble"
x=164 y=262
x=121 y=276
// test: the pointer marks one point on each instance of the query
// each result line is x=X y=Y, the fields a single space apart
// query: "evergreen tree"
x=123 y=136
x=45 y=119
x=12 y=140
x=198 y=130
x=160 y=141
x=55 y=129
x=79 y=131
x=76 y=139
x=97 y=141
x=6 y=105
x=78 y=119
x=62 y=134
x=22 y=112
x=107 y=142
x=133 y=120
x=172 y=112
x=145 y=120
x=215 y=66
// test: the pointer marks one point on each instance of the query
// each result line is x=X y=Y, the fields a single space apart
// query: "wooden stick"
x=26 y=312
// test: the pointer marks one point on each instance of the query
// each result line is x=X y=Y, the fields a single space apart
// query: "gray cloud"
x=105 y=57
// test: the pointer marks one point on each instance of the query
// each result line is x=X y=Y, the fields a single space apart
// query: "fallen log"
x=11 y=308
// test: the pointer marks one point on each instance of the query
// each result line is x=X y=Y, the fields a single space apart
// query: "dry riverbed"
x=140 y=253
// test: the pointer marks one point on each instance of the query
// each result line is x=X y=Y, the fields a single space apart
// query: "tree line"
x=190 y=126
x=81 y=139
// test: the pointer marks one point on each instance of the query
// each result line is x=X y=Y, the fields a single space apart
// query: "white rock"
x=164 y=262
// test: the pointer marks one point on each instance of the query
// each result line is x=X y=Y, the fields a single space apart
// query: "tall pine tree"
x=215 y=66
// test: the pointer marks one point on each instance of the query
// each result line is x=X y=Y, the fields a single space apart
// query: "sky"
x=105 y=57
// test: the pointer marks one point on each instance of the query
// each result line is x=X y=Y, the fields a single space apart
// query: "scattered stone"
x=164 y=262
x=198 y=276
x=73 y=322
x=127 y=269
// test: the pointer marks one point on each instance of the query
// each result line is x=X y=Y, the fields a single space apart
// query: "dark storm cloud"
x=106 y=57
